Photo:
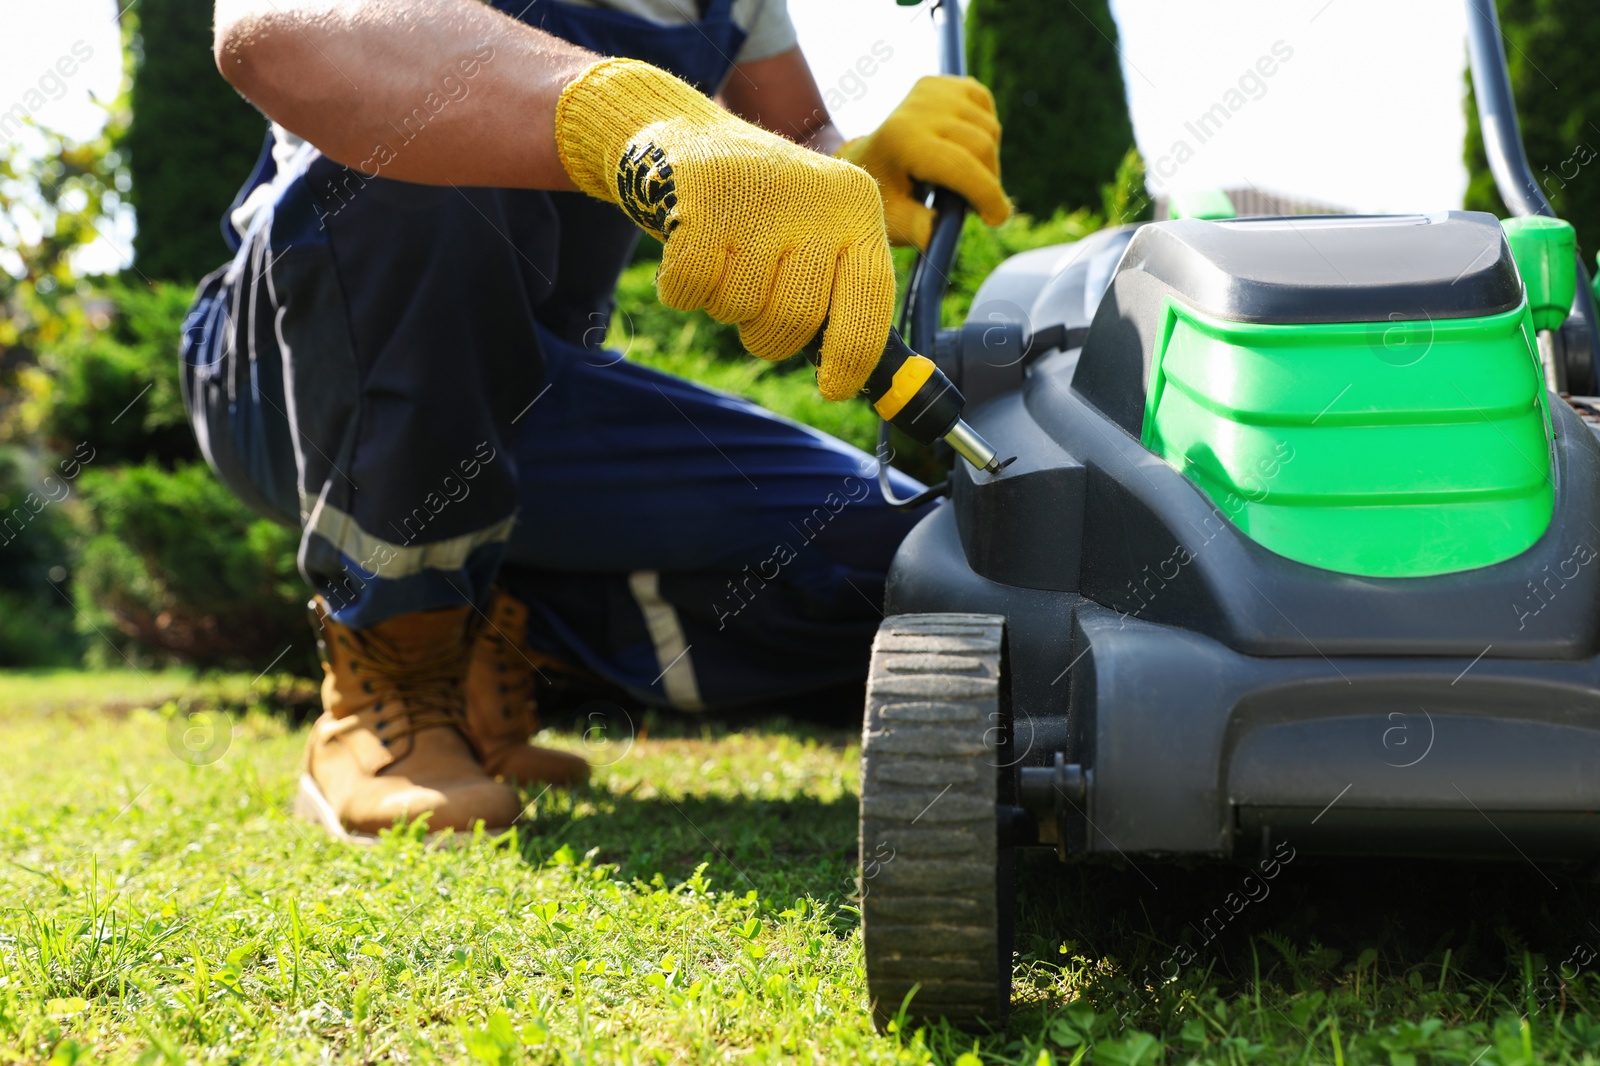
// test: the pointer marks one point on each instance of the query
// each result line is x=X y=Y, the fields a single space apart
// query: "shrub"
x=1122 y=199
x=191 y=142
x=172 y=566
x=111 y=378
x=1056 y=74
x=35 y=619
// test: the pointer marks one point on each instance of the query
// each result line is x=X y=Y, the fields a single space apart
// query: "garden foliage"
x=1056 y=74
x=1549 y=44
x=192 y=142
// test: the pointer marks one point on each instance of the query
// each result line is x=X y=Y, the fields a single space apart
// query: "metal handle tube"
x=952 y=45
x=1497 y=113
x=1502 y=144
x=930 y=277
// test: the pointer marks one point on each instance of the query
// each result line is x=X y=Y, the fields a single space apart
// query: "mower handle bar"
x=1502 y=143
x=930 y=277
x=1497 y=114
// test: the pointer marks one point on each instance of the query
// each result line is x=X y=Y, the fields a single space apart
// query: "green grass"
x=61 y=689
x=158 y=904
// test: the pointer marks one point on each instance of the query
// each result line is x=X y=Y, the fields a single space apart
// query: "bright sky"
x=1364 y=113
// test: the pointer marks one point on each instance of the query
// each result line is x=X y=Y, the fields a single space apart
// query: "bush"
x=1056 y=74
x=983 y=248
x=191 y=143
x=111 y=378
x=36 y=627
x=173 y=567
x=35 y=632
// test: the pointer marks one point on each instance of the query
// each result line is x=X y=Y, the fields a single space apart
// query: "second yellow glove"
x=945 y=132
x=757 y=230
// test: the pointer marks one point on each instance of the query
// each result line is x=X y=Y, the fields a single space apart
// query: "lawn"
x=158 y=904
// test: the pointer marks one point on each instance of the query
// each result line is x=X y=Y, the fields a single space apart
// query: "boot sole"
x=312 y=806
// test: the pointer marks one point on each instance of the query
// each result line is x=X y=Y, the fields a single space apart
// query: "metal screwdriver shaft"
x=914 y=396
x=974 y=449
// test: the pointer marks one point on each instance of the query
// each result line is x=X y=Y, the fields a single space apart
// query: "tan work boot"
x=390 y=744
x=502 y=713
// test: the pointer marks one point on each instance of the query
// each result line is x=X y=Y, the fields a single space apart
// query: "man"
x=405 y=359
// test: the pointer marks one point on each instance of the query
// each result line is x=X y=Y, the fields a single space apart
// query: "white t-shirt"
x=765 y=21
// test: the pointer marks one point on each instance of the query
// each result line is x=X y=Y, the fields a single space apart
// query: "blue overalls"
x=413 y=375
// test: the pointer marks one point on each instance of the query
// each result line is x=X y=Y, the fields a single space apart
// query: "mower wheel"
x=935 y=906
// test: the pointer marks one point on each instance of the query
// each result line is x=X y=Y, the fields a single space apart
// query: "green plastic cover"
x=1201 y=203
x=1387 y=449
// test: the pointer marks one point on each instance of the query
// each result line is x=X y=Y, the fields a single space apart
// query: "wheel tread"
x=928 y=833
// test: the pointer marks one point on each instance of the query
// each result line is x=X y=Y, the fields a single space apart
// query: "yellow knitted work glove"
x=945 y=132
x=757 y=230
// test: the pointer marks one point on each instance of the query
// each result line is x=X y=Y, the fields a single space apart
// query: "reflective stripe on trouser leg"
x=396 y=561
x=666 y=633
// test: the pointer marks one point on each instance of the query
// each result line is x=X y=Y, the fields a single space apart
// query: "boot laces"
x=417 y=691
x=515 y=675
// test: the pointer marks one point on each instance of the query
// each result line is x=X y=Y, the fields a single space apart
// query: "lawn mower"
x=1300 y=550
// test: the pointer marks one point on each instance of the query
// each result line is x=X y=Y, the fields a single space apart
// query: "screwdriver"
x=914 y=396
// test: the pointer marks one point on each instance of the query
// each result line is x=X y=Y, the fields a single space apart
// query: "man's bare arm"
x=431 y=91
x=779 y=93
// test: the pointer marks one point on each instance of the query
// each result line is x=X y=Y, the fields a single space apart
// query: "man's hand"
x=758 y=231
x=945 y=132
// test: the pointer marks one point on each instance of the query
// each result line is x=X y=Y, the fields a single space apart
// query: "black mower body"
x=1177 y=689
